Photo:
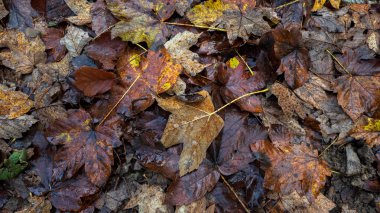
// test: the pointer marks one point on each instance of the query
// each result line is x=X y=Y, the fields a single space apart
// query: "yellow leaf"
x=207 y=12
x=318 y=4
x=233 y=62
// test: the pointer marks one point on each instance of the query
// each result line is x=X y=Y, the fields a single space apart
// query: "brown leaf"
x=368 y=129
x=75 y=40
x=82 y=147
x=13 y=128
x=190 y=125
x=225 y=200
x=37 y=205
x=21 y=14
x=102 y=18
x=14 y=104
x=295 y=203
x=92 y=81
x=51 y=37
x=239 y=82
x=106 y=50
x=23 y=53
x=149 y=199
x=192 y=186
x=358 y=90
x=82 y=9
x=3 y=11
x=195 y=207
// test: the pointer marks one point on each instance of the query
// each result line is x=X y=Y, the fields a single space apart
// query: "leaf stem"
x=286 y=4
x=249 y=68
x=233 y=191
x=197 y=26
x=337 y=61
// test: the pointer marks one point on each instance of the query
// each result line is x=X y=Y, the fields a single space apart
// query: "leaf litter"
x=189 y=106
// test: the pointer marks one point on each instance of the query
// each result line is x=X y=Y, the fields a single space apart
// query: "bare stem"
x=249 y=68
x=337 y=61
x=233 y=191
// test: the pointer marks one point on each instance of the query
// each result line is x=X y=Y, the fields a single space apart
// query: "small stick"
x=139 y=45
x=286 y=4
x=337 y=61
x=332 y=143
x=233 y=191
x=249 y=68
x=197 y=26
x=101 y=33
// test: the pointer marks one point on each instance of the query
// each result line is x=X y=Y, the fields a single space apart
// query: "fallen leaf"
x=92 y=81
x=192 y=186
x=57 y=10
x=82 y=147
x=3 y=11
x=190 y=125
x=21 y=14
x=37 y=205
x=206 y=13
x=13 y=128
x=14 y=104
x=224 y=199
x=102 y=18
x=181 y=6
x=149 y=198
x=318 y=4
x=23 y=53
x=82 y=9
x=359 y=89
x=75 y=40
x=73 y=194
x=106 y=50
x=51 y=37
x=14 y=165
x=327 y=20
x=368 y=129
x=195 y=207
x=178 y=47
x=295 y=203
x=237 y=82
x=139 y=22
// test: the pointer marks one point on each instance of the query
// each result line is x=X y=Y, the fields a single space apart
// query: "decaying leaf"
x=206 y=13
x=139 y=22
x=14 y=165
x=23 y=53
x=82 y=147
x=13 y=128
x=368 y=129
x=51 y=37
x=75 y=40
x=102 y=18
x=37 y=205
x=295 y=203
x=3 y=11
x=359 y=86
x=195 y=207
x=190 y=125
x=14 y=104
x=149 y=198
x=92 y=81
x=178 y=47
x=82 y=9
x=318 y=4
x=21 y=14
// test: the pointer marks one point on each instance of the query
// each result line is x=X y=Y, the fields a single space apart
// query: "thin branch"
x=332 y=143
x=101 y=33
x=197 y=26
x=337 y=61
x=249 y=68
x=287 y=4
x=233 y=191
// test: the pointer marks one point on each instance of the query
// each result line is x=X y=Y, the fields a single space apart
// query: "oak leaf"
x=82 y=9
x=92 y=81
x=14 y=104
x=83 y=146
x=359 y=86
x=190 y=125
x=23 y=53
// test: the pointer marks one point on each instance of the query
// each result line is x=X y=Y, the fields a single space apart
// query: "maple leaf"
x=13 y=104
x=106 y=50
x=368 y=129
x=92 y=81
x=318 y=4
x=287 y=46
x=83 y=146
x=24 y=53
x=149 y=198
x=138 y=22
x=178 y=48
x=190 y=125
x=193 y=186
x=359 y=86
x=82 y=9
x=238 y=82
x=75 y=40
x=51 y=37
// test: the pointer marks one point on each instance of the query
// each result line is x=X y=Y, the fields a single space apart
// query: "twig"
x=249 y=68
x=337 y=61
x=286 y=4
x=101 y=33
x=332 y=143
x=197 y=26
x=118 y=102
x=233 y=191
x=139 y=45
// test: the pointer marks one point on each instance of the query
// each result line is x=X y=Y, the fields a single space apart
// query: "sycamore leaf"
x=193 y=186
x=13 y=128
x=368 y=129
x=23 y=53
x=14 y=165
x=82 y=147
x=359 y=89
x=149 y=199
x=318 y=4
x=178 y=47
x=82 y=9
x=92 y=81
x=189 y=124
x=74 y=40
x=13 y=104
x=139 y=22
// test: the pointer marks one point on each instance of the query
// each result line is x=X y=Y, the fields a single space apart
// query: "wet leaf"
x=14 y=165
x=192 y=186
x=51 y=37
x=75 y=40
x=13 y=128
x=83 y=146
x=92 y=81
x=14 y=104
x=190 y=125
x=359 y=89
x=178 y=47
x=23 y=53
x=82 y=9
x=149 y=198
